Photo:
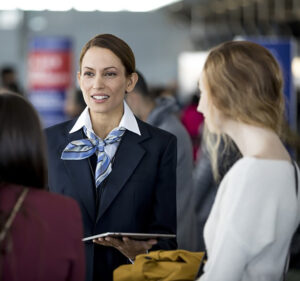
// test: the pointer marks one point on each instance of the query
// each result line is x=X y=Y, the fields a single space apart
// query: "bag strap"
x=13 y=213
x=201 y=267
x=287 y=261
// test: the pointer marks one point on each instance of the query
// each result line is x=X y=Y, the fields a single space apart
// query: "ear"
x=131 y=81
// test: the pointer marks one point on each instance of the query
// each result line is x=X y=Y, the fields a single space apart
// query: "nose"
x=98 y=82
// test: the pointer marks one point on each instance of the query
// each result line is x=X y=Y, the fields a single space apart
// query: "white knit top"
x=254 y=215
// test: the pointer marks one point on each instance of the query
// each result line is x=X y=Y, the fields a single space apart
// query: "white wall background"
x=156 y=39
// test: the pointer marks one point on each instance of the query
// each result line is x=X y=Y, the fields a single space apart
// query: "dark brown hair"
x=119 y=47
x=22 y=144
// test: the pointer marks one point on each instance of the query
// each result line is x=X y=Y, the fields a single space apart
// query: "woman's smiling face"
x=103 y=81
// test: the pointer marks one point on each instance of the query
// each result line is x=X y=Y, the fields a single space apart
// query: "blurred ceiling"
x=214 y=21
x=93 y=5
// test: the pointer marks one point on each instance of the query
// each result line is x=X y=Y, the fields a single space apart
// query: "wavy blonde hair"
x=245 y=83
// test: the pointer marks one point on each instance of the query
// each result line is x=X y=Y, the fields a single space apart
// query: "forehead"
x=97 y=57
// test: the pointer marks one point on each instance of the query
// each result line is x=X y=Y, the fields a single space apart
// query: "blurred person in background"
x=205 y=182
x=257 y=208
x=74 y=103
x=161 y=112
x=9 y=80
x=193 y=122
x=121 y=170
x=40 y=232
x=163 y=91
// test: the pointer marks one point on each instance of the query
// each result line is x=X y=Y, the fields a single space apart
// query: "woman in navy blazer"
x=43 y=240
x=139 y=194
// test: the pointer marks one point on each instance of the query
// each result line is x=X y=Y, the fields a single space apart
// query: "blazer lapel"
x=80 y=175
x=128 y=156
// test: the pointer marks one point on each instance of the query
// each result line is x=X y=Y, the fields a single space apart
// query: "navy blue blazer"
x=139 y=194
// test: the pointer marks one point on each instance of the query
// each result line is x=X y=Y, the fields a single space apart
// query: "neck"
x=103 y=123
x=254 y=141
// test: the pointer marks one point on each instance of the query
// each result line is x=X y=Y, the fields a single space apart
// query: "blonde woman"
x=256 y=210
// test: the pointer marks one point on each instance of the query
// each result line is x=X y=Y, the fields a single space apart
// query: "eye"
x=88 y=73
x=110 y=74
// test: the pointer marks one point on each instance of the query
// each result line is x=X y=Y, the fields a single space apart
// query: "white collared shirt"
x=128 y=122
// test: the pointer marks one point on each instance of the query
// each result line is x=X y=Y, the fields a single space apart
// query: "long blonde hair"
x=245 y=83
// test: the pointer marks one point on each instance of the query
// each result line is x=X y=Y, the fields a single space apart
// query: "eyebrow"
x=106 y=68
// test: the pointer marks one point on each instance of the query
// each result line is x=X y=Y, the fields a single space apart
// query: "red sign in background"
x=49 y=69
x=50 y=76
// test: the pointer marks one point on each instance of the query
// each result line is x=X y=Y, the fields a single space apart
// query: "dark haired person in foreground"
x=40 y=232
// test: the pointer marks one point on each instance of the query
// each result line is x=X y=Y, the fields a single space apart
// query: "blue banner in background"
x=50 y=105
x=50 y=43
x=284 y=51
x=49 y=77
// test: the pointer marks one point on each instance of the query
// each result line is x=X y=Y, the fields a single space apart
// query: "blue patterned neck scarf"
x=84 y=148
